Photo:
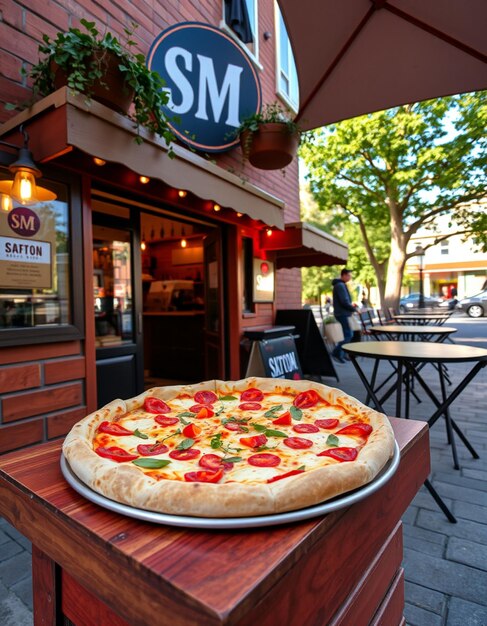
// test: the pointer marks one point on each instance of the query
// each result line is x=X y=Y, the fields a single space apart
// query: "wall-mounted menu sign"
x=25 y=263
x=263 y=281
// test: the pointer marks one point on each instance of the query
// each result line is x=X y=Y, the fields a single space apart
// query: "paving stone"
x=13 y=533
x=9 y=549
x=13 y=612
x=415 y=616
x=447 y=577
x=462 y=613
x=409 y=516
x=23 y=589
x=424 y=533
x=474 y=473
x=424 y=500
x=464 y=529
x=468 y=552
x=425 y=598
x=453 y=490
x=426 y=547
x=3 y=538
x=15 y=569
x=455 y=478
x=473 y=512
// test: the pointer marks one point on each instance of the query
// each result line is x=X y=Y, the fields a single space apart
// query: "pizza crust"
x=125 y=483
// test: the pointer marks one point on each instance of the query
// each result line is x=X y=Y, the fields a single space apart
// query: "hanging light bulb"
x=182 y=193
x=184 y=243
x=216 y=207
x=143 y=245
x=239 y=214
x=144 y=179
x=99 y=162
x=23 y=188
x=6 y=202
x=269 y=232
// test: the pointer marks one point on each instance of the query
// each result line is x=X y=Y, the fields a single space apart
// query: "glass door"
x=118 y=345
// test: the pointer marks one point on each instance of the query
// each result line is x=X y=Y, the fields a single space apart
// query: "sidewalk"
x=445 y=564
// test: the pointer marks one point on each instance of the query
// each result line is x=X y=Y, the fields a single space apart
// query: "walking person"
x=343 y=309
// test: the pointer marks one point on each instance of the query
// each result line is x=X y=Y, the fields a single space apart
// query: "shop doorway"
x=182 y=300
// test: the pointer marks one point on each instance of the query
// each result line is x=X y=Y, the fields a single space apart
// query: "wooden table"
x=95 y=566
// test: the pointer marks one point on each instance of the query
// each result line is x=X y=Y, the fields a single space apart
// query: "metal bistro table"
x=422 y=319
x=414 y=332
x=410 y=356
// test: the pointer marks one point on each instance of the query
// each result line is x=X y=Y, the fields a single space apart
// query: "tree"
x=393 y=172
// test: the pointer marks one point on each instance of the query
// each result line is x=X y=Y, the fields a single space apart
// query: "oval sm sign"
x=23 y=221
x=211 y=82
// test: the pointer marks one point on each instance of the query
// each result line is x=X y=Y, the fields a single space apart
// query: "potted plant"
x=270 y=138
x=103 y=68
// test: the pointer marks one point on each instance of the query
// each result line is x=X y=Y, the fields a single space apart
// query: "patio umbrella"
x=358 y=56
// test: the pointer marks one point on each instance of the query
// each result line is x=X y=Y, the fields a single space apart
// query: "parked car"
x=475 y=306
x=412 y=301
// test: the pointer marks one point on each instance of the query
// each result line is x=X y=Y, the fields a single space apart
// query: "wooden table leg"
x=46 y=592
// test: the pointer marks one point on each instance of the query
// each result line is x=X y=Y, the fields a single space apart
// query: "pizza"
x=257 y=446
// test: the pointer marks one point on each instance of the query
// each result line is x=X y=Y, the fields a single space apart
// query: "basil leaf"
x=271 y=412
x=185 y=444
x=332 y=441
x=185 y=414
x=183 y=421
x=274 y=433
x=151 y=463
x=227 y=398
x=216 y=442
x=220 y=410
x=137 y=433
x=296 y=413
x=302 y=467
x=232 y=459
x=260 y=428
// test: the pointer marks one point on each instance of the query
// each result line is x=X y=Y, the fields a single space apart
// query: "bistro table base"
x=91 y=565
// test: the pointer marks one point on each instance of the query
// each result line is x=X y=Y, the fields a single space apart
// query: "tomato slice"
x=327 y=424
x=297 y=443
x=253 y=442
x=341 y=454
x=306 y=399
x=155 y=405
x=250 y=406
x=356 y=430
x=166 y=421
x=286 y=475
x=184 y=455
x=251 y=395
x=264 y=460
x=284 y=419
x=204 y=476
x=306 y=428
x=196 y=408
x=205 y=397
x=234 y=427
x=116 y=454
x=191 y=430
x=214 y=462
x=204 y=412
x=145 y=449
x=112 y=428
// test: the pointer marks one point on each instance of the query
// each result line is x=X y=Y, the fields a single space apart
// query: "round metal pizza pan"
x=208 y=523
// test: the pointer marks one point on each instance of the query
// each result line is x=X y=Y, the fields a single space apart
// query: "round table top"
x=413 y=329
x=416 y=351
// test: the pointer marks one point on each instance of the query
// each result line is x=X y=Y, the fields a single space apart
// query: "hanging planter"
x=104 y=69
x=111 y=89
x=269 y=140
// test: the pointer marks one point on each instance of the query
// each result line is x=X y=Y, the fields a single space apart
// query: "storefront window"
x=35 y=262
x=240 y=17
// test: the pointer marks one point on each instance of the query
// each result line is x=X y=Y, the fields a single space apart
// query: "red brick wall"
x=41 y=392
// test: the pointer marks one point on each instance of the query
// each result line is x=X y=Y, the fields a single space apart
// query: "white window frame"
x=294 y=106
x=252 y=53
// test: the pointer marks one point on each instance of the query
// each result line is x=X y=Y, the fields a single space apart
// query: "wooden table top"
x=416 y=351
x=202 y=577
x=403 y=329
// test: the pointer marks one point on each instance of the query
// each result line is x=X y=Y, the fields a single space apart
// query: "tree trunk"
x=395 y=271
